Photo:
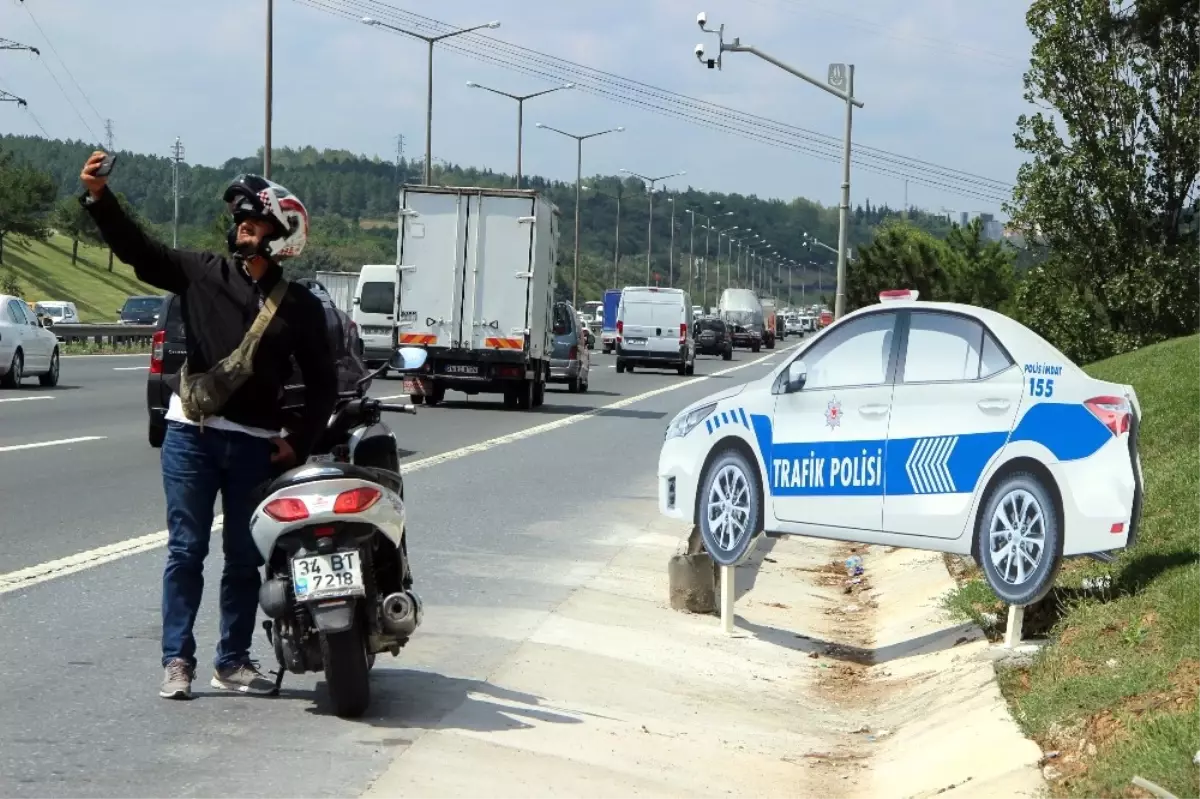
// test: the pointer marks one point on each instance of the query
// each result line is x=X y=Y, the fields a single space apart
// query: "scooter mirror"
x=408 y=358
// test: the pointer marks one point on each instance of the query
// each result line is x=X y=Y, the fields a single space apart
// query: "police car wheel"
x=729 y=508
x=1019 y=539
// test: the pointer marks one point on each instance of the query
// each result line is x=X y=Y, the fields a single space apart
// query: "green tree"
x=71 y=220
x=901 y=256
x=1113 y=166
x=26 y=197
x=984 y=270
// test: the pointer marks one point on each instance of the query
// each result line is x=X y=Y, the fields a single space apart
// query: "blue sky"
x=940 y=79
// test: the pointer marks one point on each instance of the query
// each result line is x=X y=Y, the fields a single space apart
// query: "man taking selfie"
x=244 y=325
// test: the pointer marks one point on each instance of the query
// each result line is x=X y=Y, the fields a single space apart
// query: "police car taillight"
x=897 y=295
x=1113 y=412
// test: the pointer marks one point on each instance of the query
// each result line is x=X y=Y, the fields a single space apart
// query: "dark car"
x=169 y=350
x=570 y=361
x=140 y=310
x=712 y=338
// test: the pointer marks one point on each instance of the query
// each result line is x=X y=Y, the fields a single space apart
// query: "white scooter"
x=337 y=586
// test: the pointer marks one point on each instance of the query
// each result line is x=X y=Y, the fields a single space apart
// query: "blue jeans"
x=197 y=465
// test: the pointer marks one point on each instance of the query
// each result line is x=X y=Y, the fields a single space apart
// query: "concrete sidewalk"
x=614 y=694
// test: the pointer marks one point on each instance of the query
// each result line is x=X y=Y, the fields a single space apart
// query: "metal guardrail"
x=115 y=334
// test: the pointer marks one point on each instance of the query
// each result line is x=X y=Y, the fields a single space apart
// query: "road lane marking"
x=24 y=578
x=130 y=368
x=392 y=397
x=27 y=399
x=111 y=355
x=59 y=442
x=72 y=564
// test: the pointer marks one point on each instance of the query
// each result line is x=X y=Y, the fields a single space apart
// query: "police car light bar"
x=895 y=295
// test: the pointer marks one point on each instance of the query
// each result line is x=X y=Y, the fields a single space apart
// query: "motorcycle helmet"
x=255 y=197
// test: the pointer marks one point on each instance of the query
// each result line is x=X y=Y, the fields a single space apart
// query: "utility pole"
x=176 y=159
x=840 y=84
x=108 y=135
x=270 y=83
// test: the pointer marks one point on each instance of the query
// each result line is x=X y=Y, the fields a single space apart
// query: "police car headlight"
x=685 y=422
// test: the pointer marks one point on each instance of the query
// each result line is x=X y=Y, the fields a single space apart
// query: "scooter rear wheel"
x=347 y=671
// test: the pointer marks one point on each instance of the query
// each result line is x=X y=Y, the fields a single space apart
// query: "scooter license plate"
x=325 y=576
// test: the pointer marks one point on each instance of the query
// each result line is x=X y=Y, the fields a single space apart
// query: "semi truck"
x=341 y=288
x=476 y=282
x=743 y=315
x=770 y=323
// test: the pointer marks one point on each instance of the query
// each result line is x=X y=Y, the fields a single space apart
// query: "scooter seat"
x=313 y=472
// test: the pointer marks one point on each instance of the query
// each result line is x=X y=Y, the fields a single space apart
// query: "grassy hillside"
x=44 y=272
x=1116 y=691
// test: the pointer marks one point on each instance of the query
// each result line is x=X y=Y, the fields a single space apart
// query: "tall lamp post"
x=728 y=266
x=616 y=235
x=431 y=41
x=650 y=224
x=520 y=98
x=270 y=84
x=671 y=252
x=839 y=83
x=579 y=139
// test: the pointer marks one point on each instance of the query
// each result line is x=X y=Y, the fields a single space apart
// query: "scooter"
x=337 y=587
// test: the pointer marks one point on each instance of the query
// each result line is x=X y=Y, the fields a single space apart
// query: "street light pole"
x=520 y=98
x=578 y=188
x=431 y=41
x=270 y=81
x=691 y=252
x=650 y=223
x=840 y=83
x=671 y=251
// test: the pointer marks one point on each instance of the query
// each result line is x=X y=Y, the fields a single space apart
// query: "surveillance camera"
x=702 y=19
x=700 y=52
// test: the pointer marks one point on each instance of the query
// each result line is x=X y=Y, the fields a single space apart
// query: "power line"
x=550 y=61
x=662 y=101
x=63 y=63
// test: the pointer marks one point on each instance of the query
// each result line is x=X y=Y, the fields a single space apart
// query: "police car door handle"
x=993 y=404
x=873 y=410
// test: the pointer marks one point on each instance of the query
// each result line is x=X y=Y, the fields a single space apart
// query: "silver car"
x=570 y=361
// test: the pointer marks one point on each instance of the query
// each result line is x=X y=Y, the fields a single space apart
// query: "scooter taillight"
x=287 y=509
x=356 y=500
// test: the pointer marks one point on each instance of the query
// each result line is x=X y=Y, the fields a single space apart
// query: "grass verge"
x=1114 y=694
x=43 y=271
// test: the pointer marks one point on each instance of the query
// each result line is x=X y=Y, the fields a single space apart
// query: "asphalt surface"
x=499 y=536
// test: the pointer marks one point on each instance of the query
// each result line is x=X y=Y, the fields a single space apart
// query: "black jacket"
x=219 y=302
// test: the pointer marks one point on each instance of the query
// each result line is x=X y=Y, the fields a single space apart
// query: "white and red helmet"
x=255 y=197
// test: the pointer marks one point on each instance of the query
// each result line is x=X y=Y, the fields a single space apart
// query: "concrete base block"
x=692 y=583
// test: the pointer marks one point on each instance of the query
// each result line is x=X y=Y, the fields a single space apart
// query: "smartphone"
x=106 y=166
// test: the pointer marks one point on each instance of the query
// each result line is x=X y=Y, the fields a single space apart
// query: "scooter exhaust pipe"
x=402 y=613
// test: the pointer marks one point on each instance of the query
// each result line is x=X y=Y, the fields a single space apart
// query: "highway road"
x=509 y=511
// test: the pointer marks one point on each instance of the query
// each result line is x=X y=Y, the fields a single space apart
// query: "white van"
x=654 y=328
x=375 y=311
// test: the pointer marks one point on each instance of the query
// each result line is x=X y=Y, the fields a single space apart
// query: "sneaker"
x=244 y=678
x=177 y=680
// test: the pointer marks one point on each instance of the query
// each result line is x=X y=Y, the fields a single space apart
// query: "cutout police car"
x=915 y=424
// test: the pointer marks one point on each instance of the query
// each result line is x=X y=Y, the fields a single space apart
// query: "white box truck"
x=477 y=291
x=340 y=286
